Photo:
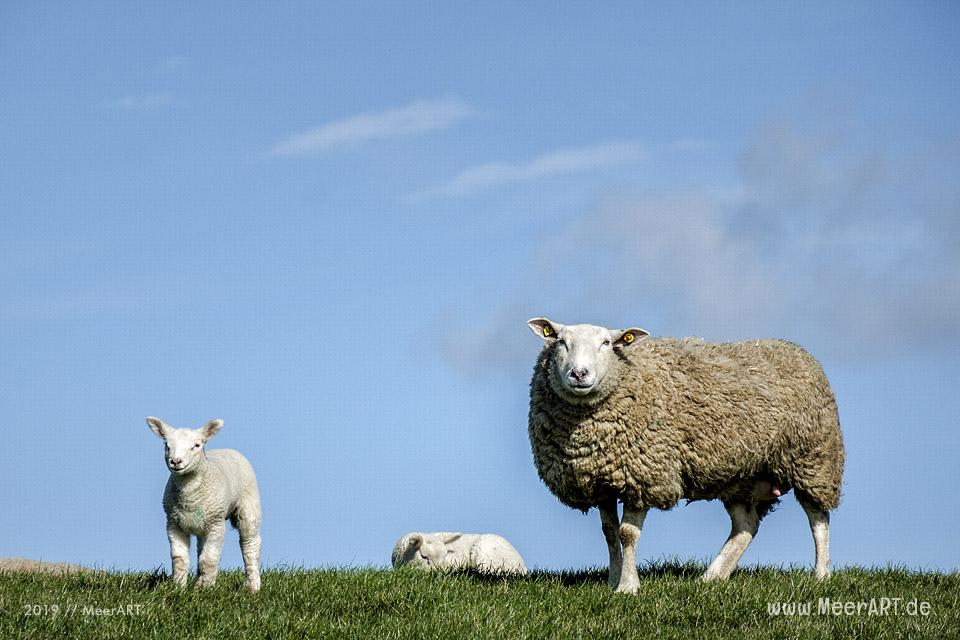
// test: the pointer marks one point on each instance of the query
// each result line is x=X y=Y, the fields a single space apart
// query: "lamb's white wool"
x=484 y=552
x=206 y=488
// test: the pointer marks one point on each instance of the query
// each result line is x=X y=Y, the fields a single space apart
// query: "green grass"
x=368 y=603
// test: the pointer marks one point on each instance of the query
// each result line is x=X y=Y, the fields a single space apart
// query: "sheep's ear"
x=545 y=328
x=415 y=540
x=158 y=427
x=211 y=428
x=629 y=337
x=453 y=538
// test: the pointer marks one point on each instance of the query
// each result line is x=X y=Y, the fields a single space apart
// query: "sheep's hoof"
x=204 y=581
x=630 y=587
x=253 y=584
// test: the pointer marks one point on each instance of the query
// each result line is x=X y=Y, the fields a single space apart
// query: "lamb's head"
x=427 y=550
x=584 y=358
x=184 y=447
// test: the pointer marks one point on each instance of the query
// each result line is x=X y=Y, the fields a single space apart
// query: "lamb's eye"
x=196 y=446
x=606 y=343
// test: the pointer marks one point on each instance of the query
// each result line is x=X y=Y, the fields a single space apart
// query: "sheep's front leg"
x=744 y=523
x=212 y=545
x=179 y=553
x=610 y=522
x=630 y=529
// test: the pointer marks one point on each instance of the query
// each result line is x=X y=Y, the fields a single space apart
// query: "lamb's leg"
x=210 y=557
x=820 y=527
x=744 y=523
x=629 y=536
x=200 y=540
x=250 y=549
x=179 y=553
x=610 y=522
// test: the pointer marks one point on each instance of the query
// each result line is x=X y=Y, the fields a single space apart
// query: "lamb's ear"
x=415 y=540
x=211 y=428
x=545 y=328
x=629 y=337
x=158 y=427
x=452 y=538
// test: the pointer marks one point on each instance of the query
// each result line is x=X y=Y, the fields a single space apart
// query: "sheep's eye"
x=606 y=343
x=196 y=446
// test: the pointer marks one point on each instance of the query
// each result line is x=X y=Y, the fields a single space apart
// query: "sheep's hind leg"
x=250 y=549
x=744 y=523
x=209 y=560
x=610 y=522
x=820 y=527
x=179 y=553
x=629 y=530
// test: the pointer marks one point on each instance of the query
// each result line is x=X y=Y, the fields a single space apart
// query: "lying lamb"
x=614 y=417
x=204 y=489
x=483 y=552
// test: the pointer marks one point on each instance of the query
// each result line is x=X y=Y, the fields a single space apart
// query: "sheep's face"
x=583 y=357
x=183 y=448
x=428 y=550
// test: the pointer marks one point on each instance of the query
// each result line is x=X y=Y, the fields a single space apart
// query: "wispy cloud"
x=824 y=240
x=173 y=63
x=418 y=117
x=141 y=102
x=554 y=163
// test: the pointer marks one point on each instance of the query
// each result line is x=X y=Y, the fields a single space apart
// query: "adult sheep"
x=649 y=422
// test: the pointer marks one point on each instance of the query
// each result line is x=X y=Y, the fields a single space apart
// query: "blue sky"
x=328 y=225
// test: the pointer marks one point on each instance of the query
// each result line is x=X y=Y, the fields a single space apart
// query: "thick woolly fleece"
x=689 y=419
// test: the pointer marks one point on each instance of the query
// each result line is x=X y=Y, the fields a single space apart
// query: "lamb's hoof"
x=206 y=582
x=253 y=584
x=711 y=577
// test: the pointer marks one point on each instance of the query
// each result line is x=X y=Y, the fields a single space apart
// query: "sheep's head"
x=428 y=550
x=183 y=449
x=583 y=357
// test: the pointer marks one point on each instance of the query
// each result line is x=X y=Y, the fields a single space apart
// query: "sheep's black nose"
x=176 y=460
x=579 y=374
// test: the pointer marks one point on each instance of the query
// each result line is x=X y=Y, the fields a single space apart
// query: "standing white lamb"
x=483 y=552
x=206 y=488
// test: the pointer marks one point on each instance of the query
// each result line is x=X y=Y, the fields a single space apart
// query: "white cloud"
x=418 y=117
x=824 y=241
x=141 y=102
x=554 y=163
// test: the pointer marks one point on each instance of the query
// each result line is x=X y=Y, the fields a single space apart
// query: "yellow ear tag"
x=628 y=338
x=547 y=331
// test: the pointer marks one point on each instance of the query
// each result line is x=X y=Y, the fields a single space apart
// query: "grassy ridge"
x=371 y=603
